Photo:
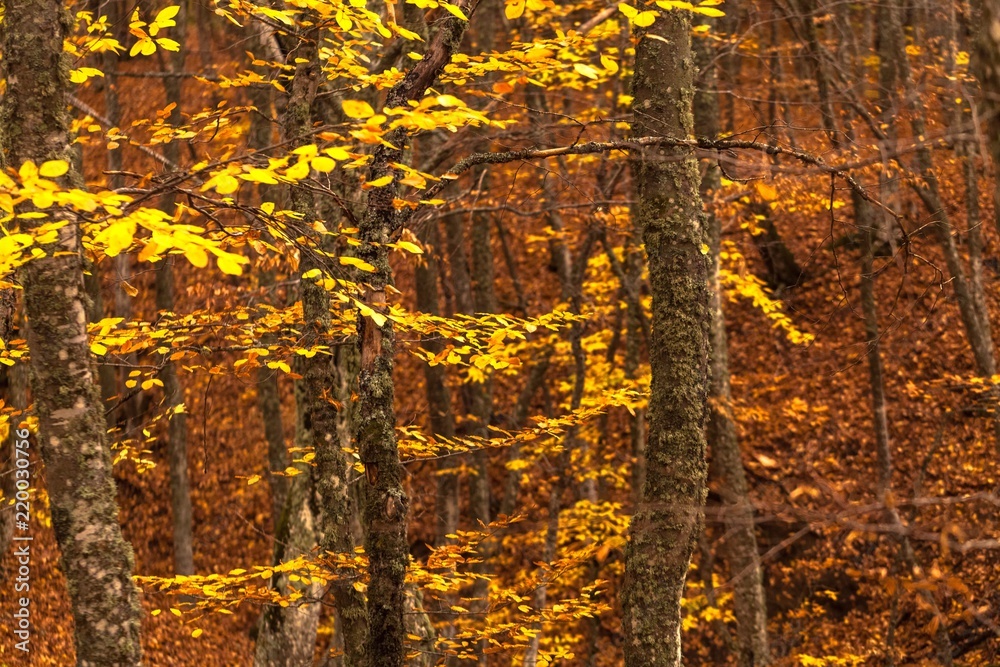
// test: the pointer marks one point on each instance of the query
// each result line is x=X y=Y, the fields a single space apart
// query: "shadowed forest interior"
x=499 y=333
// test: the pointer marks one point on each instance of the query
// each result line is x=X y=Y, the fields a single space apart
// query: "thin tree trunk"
x=442 y=418
x=180 y=486
x=977 y=328
x=96 y=560
x=386 y=502
x=259 y=137
x=986 y=66
x=727 y=463
x=664 y=529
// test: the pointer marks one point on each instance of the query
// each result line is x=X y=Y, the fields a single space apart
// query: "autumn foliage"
x=373 y=323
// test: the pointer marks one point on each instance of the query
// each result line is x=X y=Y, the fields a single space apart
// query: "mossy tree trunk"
x=319 y=421
x=665 y=527
x=95 y=558
x=386 y=503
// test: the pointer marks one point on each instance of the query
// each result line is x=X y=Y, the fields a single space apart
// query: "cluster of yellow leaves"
x=737 y=280
x=112 y=235
x=515 y=8
x=288 y=169
x=222 y=593
x=417 y=117
x=698 y=607
x=146 y=33
x=831 y=661
x=646 y=18
x=415 y=445
x=165 y=236
x=430 y=4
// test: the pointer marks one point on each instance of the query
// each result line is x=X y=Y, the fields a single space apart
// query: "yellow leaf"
x=455 y=10
x=230 y=263
x=410 y=247
x=708 y=11
x=358 y=109
x=378 y=182
x=513 y=10
x=360 y=264
x=585 y=70
x=28 y=171
x=628 y=10
x=196 y=256
x=323 y=164
x=298 y=171
x=166 y=15
x=645 y=19
x=98 y=349
x=767 y=192
x=226 y=184
x=197 y=633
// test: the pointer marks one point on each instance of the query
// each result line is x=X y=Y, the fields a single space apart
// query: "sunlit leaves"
x=81 y=74
x=646 y=18
x=357 y=109
x=146 y=33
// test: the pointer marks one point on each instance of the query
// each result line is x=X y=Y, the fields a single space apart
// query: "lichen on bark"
x=668 y=211
x=95 y=558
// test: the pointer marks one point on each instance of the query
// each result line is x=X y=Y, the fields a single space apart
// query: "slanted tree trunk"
x=740 y=543
x=665 y=527
x=95 y=559
x=977 y=327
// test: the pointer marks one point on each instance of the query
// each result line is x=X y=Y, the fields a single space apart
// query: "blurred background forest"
x=852 y=515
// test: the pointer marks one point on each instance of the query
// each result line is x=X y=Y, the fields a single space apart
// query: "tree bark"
x=442 y=418
x=740 y=545
x=95 y=558
x=977 y=328
x=664 y=530
x=180 y=486
x=386 y=502
x=319 y=422
x=986 y=66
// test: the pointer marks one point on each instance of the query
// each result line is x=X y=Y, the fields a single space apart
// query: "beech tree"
x=96 y=561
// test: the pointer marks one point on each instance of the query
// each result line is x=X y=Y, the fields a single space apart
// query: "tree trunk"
x=95 y=558
x=180 y=486
x=664 y=530
x=319 y=422
x=986 y=66
x=386 y=502
x=740 y=544
x=442 y=418
x=977 y=328
x=259 y=137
